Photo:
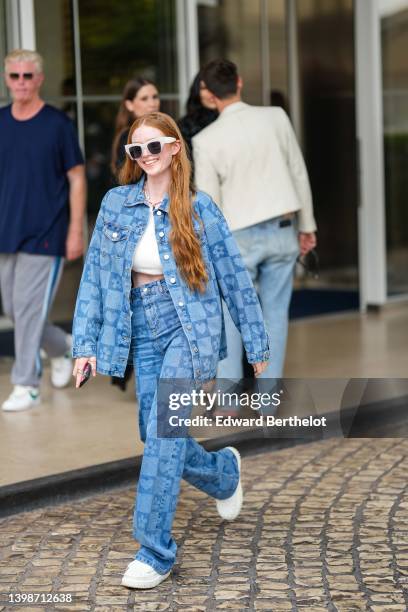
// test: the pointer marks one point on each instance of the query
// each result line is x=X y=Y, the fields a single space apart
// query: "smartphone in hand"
x=86 y=375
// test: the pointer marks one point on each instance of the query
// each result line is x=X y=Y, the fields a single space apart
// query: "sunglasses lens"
x=27 y=76
x=154 y=147
x=135 y=152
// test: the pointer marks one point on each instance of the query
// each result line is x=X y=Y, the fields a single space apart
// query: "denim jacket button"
x=166 y=256
x=115 y=235
x=158 y=213
x=172 y=280
x=161 y=234
x=195 y=349
x=189 y=327
x=181 y=303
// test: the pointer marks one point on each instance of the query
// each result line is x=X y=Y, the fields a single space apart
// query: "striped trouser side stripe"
x=52 y=284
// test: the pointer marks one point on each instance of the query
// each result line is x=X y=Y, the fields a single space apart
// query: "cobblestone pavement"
x=324 y=527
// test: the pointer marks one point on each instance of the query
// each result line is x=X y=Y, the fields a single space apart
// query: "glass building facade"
x=300 y=52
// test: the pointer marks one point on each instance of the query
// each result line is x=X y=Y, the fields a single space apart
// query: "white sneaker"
x=21 y=398
x=140 y=575
x=229 y=508
x=61 y=367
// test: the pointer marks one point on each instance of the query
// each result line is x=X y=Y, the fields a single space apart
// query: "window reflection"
x=327 y=85
x=99 y=121
x=278 y=60
x=54 y=36
x=120 y=39
x=231 y=29
x=394 y=29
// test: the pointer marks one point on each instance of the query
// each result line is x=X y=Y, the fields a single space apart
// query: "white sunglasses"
x=135 y=149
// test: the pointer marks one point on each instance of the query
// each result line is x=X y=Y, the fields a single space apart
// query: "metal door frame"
x=369 y=114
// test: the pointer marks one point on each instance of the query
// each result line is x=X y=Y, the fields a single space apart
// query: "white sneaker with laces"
x=140 y=575
x=229 y=508
x=21 y=398
x=61 y=367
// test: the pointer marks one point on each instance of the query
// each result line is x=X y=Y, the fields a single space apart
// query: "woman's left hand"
x=259 y=367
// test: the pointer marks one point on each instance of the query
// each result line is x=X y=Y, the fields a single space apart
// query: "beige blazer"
x=250 y=163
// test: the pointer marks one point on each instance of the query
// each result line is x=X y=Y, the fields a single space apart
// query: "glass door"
x=321 y=60
x=325 y=40
x=91 y=48
x=394 y=45
x=253 y=35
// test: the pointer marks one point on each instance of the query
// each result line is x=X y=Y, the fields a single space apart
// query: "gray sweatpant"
x=28 y=284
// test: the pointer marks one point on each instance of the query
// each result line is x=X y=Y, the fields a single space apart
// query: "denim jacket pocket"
x=114 y=239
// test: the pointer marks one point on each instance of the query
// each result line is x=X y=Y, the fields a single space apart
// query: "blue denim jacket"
x=102 y=314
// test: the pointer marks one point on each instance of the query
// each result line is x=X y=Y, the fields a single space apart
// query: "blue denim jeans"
x=160 y=349
x=269 y=252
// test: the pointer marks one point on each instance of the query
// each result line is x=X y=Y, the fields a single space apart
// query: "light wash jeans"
x=269 y=252
x=161 y=350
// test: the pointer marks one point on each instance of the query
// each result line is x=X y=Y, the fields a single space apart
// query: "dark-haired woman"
x=201 y=111
x=140 y=96
x=160 y=258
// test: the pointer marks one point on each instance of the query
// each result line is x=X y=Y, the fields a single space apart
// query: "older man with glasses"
x=42 y=203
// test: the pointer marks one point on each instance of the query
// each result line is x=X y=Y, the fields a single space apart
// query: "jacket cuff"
x=258 y=357
x=85 y=350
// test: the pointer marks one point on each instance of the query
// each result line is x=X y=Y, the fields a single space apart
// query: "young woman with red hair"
x=160 y=260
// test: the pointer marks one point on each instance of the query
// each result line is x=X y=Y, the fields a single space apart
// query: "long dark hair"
x=194 y=104
x=125 y=118
x=197 y=116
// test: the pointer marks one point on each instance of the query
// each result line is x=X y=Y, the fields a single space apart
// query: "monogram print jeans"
x=161 y=350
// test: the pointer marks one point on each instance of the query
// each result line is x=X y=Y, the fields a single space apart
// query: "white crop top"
x=146 y=257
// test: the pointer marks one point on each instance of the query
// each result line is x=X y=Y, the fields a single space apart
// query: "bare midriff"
x=138 y=278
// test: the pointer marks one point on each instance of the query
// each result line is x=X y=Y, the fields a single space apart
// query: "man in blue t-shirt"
x=42 y=207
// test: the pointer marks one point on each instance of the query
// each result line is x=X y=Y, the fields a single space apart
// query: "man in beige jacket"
x=249 y=161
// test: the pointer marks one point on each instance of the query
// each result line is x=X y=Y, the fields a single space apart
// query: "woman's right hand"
x=79 y=367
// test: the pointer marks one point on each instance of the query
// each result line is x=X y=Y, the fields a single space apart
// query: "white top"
x=146 y=257
x=249 y=161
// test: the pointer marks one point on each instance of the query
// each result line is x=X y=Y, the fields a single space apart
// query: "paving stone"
x=230 y=605
x=351 y=607
x=299 y=553
x=266 y=604
x=190 y=599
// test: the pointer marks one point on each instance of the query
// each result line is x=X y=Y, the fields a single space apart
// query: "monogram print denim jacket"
x=102 y=325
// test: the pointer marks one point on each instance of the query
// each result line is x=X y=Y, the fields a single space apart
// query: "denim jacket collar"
x=136 y=196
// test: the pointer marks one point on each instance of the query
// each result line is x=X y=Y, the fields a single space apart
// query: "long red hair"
x=183 y=239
